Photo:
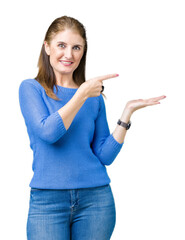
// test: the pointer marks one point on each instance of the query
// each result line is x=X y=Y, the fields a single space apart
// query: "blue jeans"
x=72 y=214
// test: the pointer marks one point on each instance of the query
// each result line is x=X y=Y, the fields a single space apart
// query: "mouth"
x=66 y=63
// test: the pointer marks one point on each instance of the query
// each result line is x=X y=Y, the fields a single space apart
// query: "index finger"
x=105 y=77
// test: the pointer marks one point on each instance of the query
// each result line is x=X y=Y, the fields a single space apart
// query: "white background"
x=144 y=42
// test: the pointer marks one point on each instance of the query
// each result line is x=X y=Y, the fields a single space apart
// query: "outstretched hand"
x=134 y=105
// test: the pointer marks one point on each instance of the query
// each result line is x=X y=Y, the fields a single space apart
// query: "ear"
x=47 y=48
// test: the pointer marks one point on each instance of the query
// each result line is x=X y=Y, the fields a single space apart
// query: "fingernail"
x=117 y=75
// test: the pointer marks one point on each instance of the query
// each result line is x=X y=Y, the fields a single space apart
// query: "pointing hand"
x=93 y=87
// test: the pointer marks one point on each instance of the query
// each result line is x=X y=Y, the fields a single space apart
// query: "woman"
x=65 y=115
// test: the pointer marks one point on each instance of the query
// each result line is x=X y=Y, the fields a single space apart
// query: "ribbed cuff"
x=110 y=150
x=60 y=124
x=115 y=143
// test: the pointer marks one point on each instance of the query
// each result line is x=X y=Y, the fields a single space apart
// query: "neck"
x=65 y=80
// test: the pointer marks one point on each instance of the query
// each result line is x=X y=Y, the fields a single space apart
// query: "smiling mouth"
x=66 y=63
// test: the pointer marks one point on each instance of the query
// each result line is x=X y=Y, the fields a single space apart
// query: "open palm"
x=134 y=105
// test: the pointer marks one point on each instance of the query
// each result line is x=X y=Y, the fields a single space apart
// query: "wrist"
x=126 y=115
x=82 y=93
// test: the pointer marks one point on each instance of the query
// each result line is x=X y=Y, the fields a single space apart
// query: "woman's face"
x=65 y=50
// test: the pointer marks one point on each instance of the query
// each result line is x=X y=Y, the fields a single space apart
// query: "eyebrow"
x=74 y=44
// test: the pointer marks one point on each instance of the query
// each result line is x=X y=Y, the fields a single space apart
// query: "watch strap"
x=123 y=124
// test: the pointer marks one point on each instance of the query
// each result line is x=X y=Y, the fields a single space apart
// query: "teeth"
x=66 y=62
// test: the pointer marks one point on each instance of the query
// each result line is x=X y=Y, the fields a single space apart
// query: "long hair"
x=46 y=76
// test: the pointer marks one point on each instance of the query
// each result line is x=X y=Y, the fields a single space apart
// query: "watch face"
x=128 y=125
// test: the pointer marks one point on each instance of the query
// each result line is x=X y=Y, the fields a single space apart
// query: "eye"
x=78 y=48
x=61 y=44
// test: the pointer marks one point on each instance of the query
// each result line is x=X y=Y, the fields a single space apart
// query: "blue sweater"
x=66 y=158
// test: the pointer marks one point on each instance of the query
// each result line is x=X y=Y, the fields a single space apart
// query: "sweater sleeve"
x=48 y=127
x=104 y=145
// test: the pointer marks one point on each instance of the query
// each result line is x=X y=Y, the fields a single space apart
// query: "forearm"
x=69 y=111
x=120 y=132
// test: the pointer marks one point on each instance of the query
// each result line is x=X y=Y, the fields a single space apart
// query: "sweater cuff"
x=115 y=143
x=60 y=123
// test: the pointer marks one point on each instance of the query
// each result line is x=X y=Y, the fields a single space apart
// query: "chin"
x=65 y=72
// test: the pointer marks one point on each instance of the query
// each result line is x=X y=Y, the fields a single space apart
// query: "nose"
x=68 y=53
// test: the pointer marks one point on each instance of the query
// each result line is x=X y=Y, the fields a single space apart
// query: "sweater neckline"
x=66 y=89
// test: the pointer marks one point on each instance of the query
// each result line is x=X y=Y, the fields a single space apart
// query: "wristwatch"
x=123 y=124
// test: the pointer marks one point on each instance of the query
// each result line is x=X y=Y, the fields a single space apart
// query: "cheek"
x=54 y=59
x=55 y=54
x=79 y=57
